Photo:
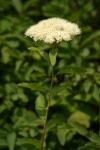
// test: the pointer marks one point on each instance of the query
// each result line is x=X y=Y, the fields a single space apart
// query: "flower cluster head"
x=53 y=30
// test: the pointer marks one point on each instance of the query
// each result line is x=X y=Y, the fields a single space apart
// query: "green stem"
x=47 y=110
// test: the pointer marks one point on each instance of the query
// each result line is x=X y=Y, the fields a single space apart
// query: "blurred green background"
x=78 y=104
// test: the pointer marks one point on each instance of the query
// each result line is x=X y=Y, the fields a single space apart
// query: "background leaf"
x=79 y=128
x=29 y=141
x=89 y=146
x=93 y=137
x=71 y=70
x=18 y=5
x=11 y=138
x=33 y=86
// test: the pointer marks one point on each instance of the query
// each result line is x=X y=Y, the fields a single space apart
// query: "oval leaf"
x=40 y=106
x=52 y=55
x=62 y=136
x=33 y=49
x=71 y=70
x=33 y=86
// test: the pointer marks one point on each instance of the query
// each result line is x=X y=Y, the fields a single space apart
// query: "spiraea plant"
x=50 y=31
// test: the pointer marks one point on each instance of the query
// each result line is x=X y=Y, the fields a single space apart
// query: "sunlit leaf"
x=81 y=118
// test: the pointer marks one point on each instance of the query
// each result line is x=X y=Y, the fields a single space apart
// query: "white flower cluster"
x=53 y=30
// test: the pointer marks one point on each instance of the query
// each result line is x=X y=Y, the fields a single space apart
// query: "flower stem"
x=47 y=110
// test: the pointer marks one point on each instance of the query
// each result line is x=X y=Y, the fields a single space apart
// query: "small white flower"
x=53 y=30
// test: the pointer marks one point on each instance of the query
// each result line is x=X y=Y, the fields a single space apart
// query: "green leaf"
x=81 y=118
x=62 y=136
x=89 y=146
x=79 y=128
x=52 y=55
x=43 y=54
x=93 y=137
x=57 y=89
x=86 y=85
x=71 y=70
x=40 y=106
x=64 y=133
x=96 y=93
x=18 y=5
x=33 y=86
x=40 y=102
x=30 y=141
x=11 y=137
x=33 y=49
x=12 y=44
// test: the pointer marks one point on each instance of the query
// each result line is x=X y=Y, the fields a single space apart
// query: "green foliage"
x=30 y=141
x=89 y=146
x=71 y=70
x=11 y=137
x=79 y=128
x=33 y=86
x=18 y=5
x=94 y=138
x=41 y=106
x=73 y=121
x=52 y=56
